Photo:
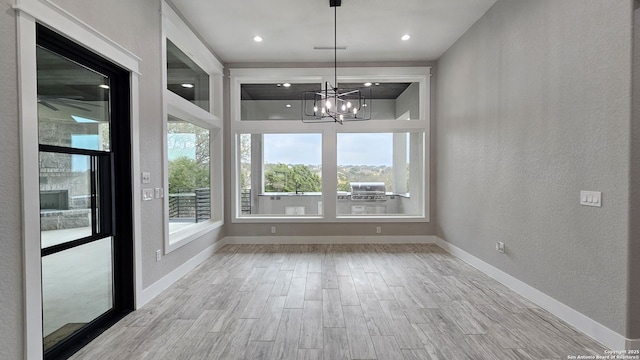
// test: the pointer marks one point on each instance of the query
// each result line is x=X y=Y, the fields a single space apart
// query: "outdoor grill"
x=368 y=191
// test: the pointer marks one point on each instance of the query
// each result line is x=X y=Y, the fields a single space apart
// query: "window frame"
x=420 y=75
x=174 y=29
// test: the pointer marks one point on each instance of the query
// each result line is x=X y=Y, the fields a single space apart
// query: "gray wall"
x=633 y=319
x=11 y=298
x=532 y=107
x=141 y=18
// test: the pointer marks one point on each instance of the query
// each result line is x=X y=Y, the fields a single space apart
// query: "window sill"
x=185 y=235
x=338 y=219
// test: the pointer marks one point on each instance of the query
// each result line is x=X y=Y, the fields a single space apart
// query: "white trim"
x=27 y=90
x=346 y=239
x=420 y=75
x=190 y=233
x=176 y=30
x=576 y=319
x=181 y=35
x=55 y=17
x=45 y=12
x=159 y=286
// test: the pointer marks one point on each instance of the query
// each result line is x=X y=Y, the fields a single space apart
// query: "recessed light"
x=367 y=84
x=188 y=86
x=288 y=105
x=286 y=84
x=103 y=86
x=405 y=37
x=257 y=38
x=377 y=84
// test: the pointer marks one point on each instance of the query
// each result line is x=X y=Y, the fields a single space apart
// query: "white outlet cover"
x=147 y=194
x=146 y=177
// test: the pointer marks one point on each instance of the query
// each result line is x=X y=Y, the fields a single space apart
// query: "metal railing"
x=245 y=201
x=190 y=205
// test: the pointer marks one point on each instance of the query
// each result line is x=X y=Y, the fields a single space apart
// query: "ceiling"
x=370 y=29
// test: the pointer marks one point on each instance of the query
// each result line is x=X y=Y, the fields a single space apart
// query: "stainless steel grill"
x=368 y=191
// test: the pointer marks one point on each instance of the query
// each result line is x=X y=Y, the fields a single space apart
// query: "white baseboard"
x=633 y=344
x=159 y=286
x=578 y=320
x=347 y=239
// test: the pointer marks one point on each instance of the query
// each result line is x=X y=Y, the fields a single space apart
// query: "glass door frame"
x=120 y=178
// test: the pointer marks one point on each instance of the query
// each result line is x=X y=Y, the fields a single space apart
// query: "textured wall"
x=143 y=19
x=633 y=319
x=532 y=107
x=11 y=298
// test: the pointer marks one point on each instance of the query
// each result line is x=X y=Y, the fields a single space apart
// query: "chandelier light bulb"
x=322 y=110
x=341 y=117
x=315 y=109
x=355 y=111
x=344 y=107
x=348 y=104
x=328 y=104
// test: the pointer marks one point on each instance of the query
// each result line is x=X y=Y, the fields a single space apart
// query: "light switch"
x=591 y=198
x=159 y=193
x=146 y=177
x=147 y=194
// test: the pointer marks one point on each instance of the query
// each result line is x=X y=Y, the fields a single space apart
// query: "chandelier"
x=333 y=104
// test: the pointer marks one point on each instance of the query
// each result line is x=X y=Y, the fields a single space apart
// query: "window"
x=280 y=174
x=391 y=100
x=185 y=78
x=193 y=200
x=376 y=172
x=274 y=101
x=287 y=170
x=189 y=174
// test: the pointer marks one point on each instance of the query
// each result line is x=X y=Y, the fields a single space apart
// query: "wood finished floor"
x=338 y=302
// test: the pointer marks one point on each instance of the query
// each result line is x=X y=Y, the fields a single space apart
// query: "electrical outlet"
x=147 y=194
x=159 y=193
x=273 y=229
x=158 y=255
x=146 y=177
x=378 y=229
x=500 y=247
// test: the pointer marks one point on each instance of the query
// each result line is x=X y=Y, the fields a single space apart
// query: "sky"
x=353 y=149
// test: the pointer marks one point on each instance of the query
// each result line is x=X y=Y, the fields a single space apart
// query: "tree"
x=245 y=161
x=284 y=178
x=202 y=138
x=187 y=174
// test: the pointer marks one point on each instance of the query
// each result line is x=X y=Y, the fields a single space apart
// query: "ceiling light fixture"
x=367 y=84
x=286 y=85
x=103 y=86
x=332 y=104
x=188 y=86
x=405 y=37
x=257 y=38
x=288 y=105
